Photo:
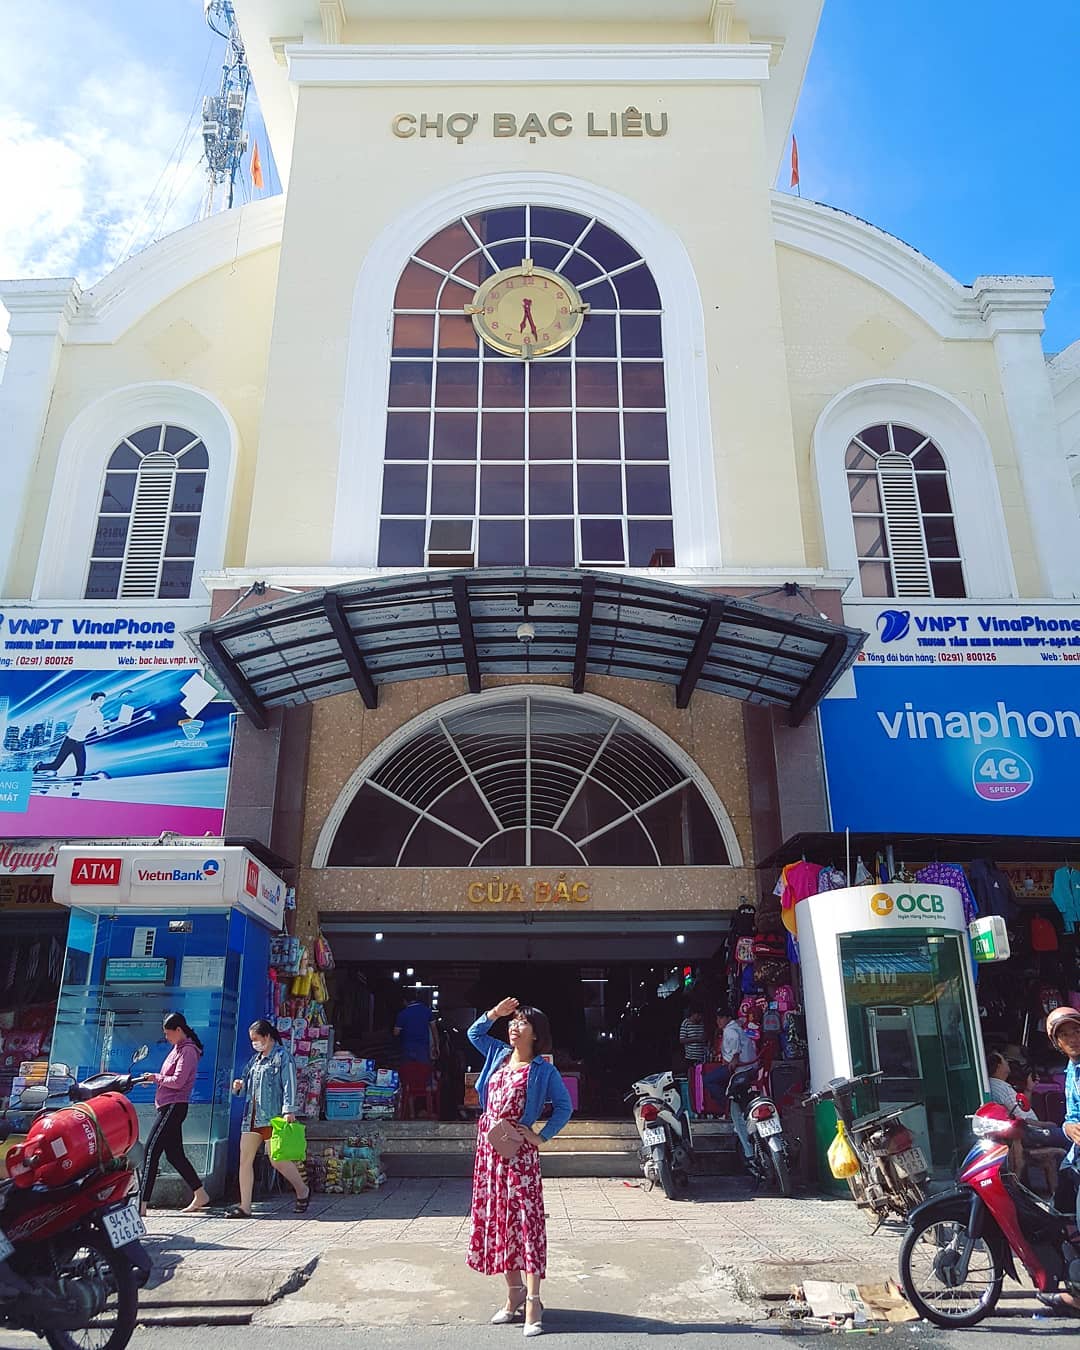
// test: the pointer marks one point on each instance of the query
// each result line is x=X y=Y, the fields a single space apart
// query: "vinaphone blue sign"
x=958 y=718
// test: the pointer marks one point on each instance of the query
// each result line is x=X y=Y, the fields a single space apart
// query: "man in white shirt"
x=88 y=721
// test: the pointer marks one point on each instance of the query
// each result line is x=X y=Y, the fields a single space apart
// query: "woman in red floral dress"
x=508 y=1233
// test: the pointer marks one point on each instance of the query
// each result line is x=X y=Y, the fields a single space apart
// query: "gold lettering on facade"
x=630 y=124
x=502 y=891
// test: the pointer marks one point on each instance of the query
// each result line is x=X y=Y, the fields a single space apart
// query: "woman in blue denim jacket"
x=268 y=1087
x=509 y=1236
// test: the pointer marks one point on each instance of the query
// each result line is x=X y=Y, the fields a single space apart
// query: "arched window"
x=493 y=460
x=148 y=521
x=530 y=779
x=901 y=506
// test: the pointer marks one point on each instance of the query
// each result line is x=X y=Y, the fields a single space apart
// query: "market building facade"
x=531 y=460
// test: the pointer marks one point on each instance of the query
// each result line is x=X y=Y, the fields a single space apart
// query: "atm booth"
x=159 y=929
x=888 y=986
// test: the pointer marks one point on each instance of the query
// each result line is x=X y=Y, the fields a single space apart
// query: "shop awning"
x=832 y=846
x=470 y=623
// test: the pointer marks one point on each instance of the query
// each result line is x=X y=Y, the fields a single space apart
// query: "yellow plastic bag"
x=843 y=1160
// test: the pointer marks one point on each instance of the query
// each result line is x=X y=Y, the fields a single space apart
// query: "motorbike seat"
x=878 y=1117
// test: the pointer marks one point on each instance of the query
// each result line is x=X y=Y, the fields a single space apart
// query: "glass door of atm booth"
x=909 y=1016
x=124 y=973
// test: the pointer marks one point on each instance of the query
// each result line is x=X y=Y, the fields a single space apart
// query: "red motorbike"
x=71 y=1263
x=960 y=1245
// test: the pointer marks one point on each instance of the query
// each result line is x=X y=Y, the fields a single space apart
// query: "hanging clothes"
x=951 y=874
x=832 y=879
x=992 y=889
x=1066 y=896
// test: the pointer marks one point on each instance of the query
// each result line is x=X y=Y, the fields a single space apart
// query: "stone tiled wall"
x=343 y=732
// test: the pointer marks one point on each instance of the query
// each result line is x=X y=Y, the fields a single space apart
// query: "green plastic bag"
x=288 y=1142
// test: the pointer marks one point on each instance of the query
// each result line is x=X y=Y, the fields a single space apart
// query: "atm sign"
x=251 y=880
x=96 y=871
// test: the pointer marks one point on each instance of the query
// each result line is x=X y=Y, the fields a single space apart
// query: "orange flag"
x=256 y=167
x=794 y=162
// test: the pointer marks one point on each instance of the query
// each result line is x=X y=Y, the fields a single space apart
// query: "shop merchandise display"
x=349 y=1168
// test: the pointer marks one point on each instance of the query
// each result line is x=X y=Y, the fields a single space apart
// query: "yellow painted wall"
x=706 y=180
x=213 y=334
x=841 y=330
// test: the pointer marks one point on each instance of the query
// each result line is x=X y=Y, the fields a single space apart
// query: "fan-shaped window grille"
x=148 y=520
x=529 y=781
x=558 y=461
x=901 y=506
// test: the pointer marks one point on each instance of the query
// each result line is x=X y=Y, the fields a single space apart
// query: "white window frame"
x=691 y=770
x=690 y=434
x=85 y=450
x=973 y=482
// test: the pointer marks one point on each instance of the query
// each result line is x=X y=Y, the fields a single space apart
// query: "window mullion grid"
x=622 y=454
x=479 y=242
x=585 y=776
x=528 y=781
x=423 y=814
x=467 y=769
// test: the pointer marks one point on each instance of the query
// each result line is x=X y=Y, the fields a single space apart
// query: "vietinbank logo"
x=151 y=874
x=907 y=906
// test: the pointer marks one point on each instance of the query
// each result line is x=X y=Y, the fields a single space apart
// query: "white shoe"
x=505 y=1315
x=535 y=1328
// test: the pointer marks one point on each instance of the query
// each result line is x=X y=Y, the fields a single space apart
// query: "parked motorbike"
x=893 y=1176
x=748 y=1089
x=667 y=1144
x=960 y=1245
x=71 y=1263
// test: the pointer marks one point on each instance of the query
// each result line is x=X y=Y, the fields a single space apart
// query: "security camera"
x=526 y=632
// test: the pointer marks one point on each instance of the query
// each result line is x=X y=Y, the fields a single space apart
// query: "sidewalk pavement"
x=397 y=1255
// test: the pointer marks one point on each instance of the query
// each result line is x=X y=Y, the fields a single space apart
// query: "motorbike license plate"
x=5 y=1246
x=655 y=1135
x=911 y=1163
x=123 y=1225
x=770 y=1126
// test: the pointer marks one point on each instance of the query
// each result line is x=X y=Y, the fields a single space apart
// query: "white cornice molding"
x=1013 y=304
x=40 y=308
x=106 y=311
x=1065 y=368
x=951 y=309
x=622 y=63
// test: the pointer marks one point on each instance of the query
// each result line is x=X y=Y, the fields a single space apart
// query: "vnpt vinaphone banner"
x=107 y=726
x=965 y=718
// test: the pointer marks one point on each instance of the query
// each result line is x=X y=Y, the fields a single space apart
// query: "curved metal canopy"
x=409 y=627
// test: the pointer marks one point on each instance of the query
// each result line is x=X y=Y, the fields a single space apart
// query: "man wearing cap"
x=1063 y=1029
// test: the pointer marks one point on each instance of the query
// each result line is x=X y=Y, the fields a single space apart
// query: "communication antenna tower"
x=224 y=139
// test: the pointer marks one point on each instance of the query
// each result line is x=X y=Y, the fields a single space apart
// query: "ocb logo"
x=881 y=904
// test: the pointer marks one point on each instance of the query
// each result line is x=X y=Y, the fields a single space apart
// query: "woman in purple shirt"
x=174 y=1086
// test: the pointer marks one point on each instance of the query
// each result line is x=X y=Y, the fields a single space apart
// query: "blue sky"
x=912 y=117
x=918 y=117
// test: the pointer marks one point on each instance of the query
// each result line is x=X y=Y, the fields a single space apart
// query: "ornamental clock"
x=527 y=311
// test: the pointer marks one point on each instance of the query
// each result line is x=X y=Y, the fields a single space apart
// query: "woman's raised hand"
x=504 y=1008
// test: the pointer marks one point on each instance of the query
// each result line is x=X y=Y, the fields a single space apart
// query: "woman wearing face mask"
x=508 y=1233
x=269 y=1089
x=174 y=1087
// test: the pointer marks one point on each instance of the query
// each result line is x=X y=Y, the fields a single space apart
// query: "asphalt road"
x=585 y=1332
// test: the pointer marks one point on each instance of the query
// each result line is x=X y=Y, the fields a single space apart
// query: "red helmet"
x=1059 y=1018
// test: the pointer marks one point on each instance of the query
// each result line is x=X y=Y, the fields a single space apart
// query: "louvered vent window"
x=148 y=521
x=905 y=530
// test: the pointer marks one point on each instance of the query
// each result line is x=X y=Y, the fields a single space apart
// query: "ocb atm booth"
x=161 y=929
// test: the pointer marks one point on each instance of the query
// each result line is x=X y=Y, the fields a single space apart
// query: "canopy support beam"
x=232 y=678
x=339 y=626
x=460 y=587
x=585 y=613
x=695 y=662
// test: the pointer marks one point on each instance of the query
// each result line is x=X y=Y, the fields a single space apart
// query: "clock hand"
x=527 y=318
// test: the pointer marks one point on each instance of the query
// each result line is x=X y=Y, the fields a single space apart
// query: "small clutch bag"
x=505 y=1139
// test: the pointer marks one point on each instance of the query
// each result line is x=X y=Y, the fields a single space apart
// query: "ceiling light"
x=680 y=937
x=378 y=937
x=419 y=985
x=397 y=974
x=408 y=970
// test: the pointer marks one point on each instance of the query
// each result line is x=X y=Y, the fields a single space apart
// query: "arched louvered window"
x=148 y=521
x=901 y=506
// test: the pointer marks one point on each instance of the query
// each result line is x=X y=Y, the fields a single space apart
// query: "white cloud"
x=97 y=158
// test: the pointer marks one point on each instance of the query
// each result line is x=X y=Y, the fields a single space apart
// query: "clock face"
x=527 y=311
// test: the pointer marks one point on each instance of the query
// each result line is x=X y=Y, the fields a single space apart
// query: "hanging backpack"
x=771 y=1021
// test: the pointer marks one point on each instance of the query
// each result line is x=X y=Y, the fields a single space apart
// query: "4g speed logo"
x=1001 y=775
x=882 y=904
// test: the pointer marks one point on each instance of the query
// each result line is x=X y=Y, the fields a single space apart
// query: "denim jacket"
x=545 y=1081
x=269 y=1083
